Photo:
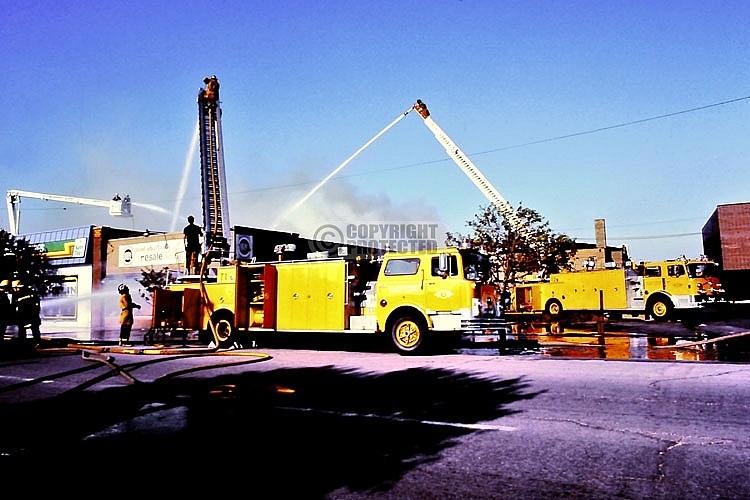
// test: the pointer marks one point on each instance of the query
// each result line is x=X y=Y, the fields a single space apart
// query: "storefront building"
x=78 y=258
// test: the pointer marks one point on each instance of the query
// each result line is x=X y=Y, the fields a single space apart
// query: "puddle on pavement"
x=546 y=341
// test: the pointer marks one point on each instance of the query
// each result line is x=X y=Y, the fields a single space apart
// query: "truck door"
x=444 y=289
x=678 y=281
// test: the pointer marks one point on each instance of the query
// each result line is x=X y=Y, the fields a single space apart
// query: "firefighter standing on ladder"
x=212 y=89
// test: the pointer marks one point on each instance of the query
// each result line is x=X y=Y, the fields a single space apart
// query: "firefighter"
x=126 y=313
x=191 y=237
x=212 y=88
x=28 y=309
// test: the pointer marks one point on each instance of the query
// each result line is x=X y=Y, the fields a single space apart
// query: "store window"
x=62 y=301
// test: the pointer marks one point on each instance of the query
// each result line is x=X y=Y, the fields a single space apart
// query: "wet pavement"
x=627 y=339
x=635 y=339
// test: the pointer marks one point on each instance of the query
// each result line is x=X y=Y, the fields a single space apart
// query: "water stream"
x=302 y=200
x=186 y=170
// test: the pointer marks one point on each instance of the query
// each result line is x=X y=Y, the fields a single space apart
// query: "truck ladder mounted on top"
x=118 y=207
x=463 y=161
x=458 y=157
x=213 y=175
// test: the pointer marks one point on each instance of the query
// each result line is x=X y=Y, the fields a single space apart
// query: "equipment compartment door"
x=192 y=305
x=311 y=297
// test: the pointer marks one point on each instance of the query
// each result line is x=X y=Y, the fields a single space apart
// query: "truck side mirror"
x=443 y=263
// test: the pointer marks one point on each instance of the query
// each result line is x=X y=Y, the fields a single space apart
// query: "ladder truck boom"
x=213 y=174
x=466 y=165
x=118 y=206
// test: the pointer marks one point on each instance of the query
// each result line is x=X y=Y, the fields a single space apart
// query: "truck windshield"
x=703 y=270
x=400 y=267
x=476 y=265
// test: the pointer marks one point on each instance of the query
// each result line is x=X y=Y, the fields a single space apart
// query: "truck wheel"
x=407 y=334
x=554 y=307
x=224 y=324
x=660 y=309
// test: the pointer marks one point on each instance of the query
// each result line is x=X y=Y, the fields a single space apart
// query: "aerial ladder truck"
x=658 y=289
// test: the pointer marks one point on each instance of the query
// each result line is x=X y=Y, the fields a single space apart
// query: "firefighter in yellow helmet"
x=126 y=313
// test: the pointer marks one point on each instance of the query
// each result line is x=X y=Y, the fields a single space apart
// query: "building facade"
x=726 y=240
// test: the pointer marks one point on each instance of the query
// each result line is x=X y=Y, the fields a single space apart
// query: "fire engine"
x=658 y=290
x=406 y=295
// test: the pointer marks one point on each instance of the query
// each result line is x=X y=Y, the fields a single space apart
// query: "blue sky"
x=634 y=112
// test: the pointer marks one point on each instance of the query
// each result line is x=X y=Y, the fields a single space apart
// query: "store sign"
x=152 y=254
x=65 y=249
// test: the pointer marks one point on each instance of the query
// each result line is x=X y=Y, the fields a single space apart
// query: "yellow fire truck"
x=657 y=289
x=408 y=296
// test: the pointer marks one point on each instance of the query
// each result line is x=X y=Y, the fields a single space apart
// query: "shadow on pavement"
x=304 y=432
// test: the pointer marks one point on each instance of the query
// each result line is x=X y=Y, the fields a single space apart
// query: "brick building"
x=726 y=240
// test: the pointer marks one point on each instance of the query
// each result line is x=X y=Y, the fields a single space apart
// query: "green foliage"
x=533 y=249
x=21 y=261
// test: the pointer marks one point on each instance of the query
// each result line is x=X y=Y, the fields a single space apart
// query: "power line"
x=654 y=237
x=531 y=143
x=619 y=125
x=515 y=146
x=661 y=236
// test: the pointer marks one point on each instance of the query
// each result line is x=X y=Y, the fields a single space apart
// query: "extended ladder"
x=213 y=175
x=463 y=161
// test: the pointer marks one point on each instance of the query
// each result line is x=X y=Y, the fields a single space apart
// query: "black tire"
x=660 y=308
x=408 y=335
x=554 y=308
x=223 y=323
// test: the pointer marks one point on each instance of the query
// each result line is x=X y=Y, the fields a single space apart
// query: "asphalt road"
x=303 y=423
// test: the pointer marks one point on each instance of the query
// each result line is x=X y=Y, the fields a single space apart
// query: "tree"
x=514 y=253
x=25 y=262
x=151 y=279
